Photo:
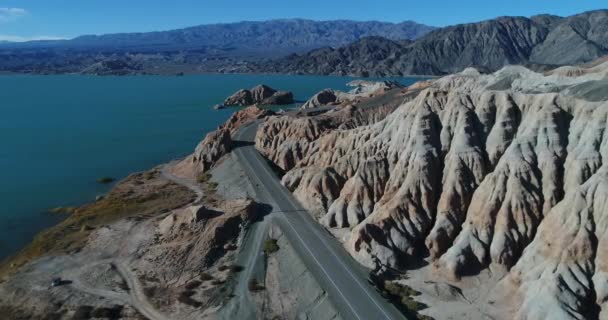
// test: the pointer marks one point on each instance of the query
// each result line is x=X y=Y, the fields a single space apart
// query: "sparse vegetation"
x=65 y=210
x=270 y=246
x=71 y=234
x=254 y=286
x=223 y=268
x=105 y=180
x=403 y=296
x=203 y=177
x=412 y=304
x=148 y=175
x=400 y=290
x=212 y=185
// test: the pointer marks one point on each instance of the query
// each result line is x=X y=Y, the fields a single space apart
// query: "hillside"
x=204 y=47
x=503 y=172
x=538 y=41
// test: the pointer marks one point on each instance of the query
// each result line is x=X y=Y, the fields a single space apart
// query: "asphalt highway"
x=344 y=279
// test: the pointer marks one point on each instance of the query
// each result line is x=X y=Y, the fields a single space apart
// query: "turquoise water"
x=59 y=134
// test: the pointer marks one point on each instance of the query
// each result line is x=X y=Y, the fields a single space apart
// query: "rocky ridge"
x=360 y=89
x=502 y=170
x=543 y=41
x=260 y=95
x=218 y=143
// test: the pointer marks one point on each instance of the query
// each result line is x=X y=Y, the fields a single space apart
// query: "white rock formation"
x=504 y=169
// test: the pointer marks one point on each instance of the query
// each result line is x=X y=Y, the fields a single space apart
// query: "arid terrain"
x=495 y=176
x=472 y=196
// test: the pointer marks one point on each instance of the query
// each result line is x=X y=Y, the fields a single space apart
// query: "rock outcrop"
x=261 y=95
x=366 y=87
x=215 y=228
x=360 y=89
x=504 y=170
x=212 y=148
x=218 y=143
x=322 y=98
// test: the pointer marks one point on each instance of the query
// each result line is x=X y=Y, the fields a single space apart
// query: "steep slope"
x=495 y=170
x=487 y=45
x=580 y=38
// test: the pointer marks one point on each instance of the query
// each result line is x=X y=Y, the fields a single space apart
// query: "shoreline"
x=70 y=234
x=60 y=202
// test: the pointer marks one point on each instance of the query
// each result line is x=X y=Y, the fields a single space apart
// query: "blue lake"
x=59 y=134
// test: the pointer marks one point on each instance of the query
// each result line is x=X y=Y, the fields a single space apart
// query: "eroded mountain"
x=503 y=171
x=540 y=42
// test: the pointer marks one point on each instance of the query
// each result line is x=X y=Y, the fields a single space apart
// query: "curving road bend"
x=344 y=279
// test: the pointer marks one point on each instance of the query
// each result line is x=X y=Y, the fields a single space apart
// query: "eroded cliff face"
x=504 y=169
x=217 y=143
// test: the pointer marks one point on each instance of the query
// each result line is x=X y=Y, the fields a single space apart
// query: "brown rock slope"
x=217 y=143
x=261 y=94
x=477 y=170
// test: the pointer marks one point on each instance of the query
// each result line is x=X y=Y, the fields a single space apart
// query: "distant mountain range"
x=340 y=47
x=540 y=42
x=195 y=45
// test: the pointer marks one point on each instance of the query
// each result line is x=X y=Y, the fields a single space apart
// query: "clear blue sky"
x=26 y=19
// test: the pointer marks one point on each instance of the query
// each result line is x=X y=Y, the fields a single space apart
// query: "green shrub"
x=411 y=304
x=105 y=180
x=271 y=246
x=400 y=290
x=202 y=177
x=403 y=294
x=64 y=210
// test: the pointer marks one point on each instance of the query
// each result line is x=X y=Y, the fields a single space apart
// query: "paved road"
x=336 y=271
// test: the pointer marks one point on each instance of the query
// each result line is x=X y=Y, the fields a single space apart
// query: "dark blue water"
x=59 y=134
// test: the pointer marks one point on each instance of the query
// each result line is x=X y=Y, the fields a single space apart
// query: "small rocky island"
x=262 y=95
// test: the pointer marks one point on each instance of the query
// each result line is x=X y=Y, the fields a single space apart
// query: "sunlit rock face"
x=505 y=169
